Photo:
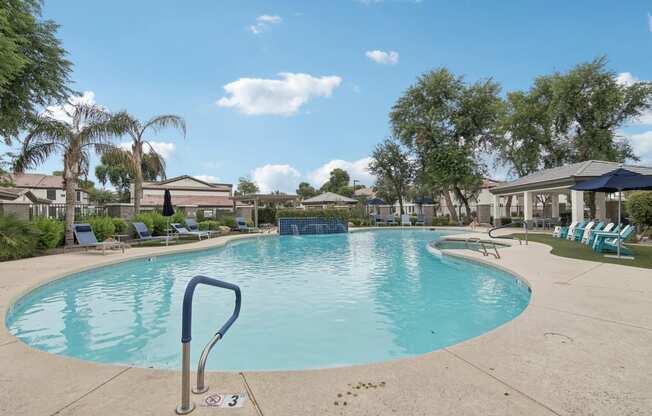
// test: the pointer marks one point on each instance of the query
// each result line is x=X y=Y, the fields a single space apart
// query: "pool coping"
x=587 y=306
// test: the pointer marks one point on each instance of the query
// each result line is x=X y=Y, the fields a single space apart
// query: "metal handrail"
x=186 y=405
x=525 y=225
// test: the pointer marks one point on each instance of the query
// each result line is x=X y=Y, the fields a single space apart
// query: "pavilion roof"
x=565 y=176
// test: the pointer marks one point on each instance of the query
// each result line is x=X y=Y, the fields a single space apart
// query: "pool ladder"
x=484 y=247
x=525 y=226
x=186 y=405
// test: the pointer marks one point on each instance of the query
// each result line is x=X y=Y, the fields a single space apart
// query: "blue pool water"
x=308 y=302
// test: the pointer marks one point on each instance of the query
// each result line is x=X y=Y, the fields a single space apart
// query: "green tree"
x=116 y=168
x=589 y=105
x=90 y=128
x=34 y=70
x=392 y=166
x=134 y=159
x=246 y=186
x=338 y=182
x=306 y=191
x=102 y=196
x=448 y=123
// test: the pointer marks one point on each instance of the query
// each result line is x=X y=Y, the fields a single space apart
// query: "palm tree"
x=84 y=128
x=137 y=131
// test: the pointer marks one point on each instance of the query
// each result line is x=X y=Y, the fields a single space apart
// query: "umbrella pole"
x=620 y=198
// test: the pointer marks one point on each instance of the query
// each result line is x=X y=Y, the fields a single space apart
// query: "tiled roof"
x=330 y=198
x=169 y=184
x=204 y=201
x=10 y=194
x=36 y=180
x=581 y=170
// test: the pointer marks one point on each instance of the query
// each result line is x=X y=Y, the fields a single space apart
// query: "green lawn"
x=575 y=250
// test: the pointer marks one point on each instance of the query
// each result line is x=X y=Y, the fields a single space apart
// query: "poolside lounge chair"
x=86 y=238
x=192 y=226
x=562 y=231
x=405 y=220
x=390 y=220
x=605 y=228
x=378 y=220
x=579 y=230
x=241 y=225
x=421 y=220
x=587 y=231
x=184 y=232
x=143 y=233
x=608 y=242
x=570 y=235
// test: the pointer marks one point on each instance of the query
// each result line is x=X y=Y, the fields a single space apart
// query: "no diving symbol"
x=214 y=400
x=228 y=401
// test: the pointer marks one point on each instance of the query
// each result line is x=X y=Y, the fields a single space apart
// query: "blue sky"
x=281 y=127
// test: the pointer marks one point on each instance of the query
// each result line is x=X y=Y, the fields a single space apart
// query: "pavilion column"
x=256 y=212
x=601 y=205
x=577 y=206
x=496 y=210
x=528 y=199
x=554 y=200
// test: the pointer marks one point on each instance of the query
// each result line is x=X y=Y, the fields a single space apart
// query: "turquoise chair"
x=587 y=236
x=606 y=229
x=579 y=230
x=608 y=242
x=568 y=232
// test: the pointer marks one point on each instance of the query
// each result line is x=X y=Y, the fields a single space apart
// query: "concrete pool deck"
x=582 y=347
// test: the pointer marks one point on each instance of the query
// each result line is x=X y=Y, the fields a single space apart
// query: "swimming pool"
x=308 y=302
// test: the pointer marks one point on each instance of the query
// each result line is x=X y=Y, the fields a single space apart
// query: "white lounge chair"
x=405 y=220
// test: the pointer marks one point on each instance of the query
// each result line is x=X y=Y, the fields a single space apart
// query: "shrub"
x=102 y=226
x=227 y=221
x=178 y=217
x=120 y=225
x=441 y=221
x=146 y=219
x=639 y=207
x=18 y=238
x=266 y=215
x=209 y=225
x=51 y=232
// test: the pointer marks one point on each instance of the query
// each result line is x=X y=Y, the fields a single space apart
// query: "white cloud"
x=284 y=96
x=64 y=112
x=263 y=23
x=382 y=57
x=358 y=169
x=642 y=145
x=166 y=150
x=627 y=79
x=270 y=178
x=207 y=178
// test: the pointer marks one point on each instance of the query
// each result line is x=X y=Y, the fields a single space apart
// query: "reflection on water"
x=308 y=302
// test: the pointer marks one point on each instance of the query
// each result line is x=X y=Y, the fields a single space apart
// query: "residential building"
x=188 y=193
x=47 y=187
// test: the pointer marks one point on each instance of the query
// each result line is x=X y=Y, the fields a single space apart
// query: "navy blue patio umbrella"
x=376 y=201
x=168 y=211
x=618 y=180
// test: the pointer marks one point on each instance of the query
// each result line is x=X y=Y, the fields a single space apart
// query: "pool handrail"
x=186 y=405
x=525 y=225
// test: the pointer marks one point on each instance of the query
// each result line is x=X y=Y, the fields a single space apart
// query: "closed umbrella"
x=168 y=211
x=618 y=180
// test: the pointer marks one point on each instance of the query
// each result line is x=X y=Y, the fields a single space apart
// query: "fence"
x=59 y=210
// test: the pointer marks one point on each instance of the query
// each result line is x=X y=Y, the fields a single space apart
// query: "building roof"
x=169 y=184
x=198 y=200
x=266 y=197
x=368 y=192
x=37 y=180
x=329 y=198
x=11 y=194
x=566 y=175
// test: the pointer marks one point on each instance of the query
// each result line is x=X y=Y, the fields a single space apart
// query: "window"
x=78 y=196
x=51 y=194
